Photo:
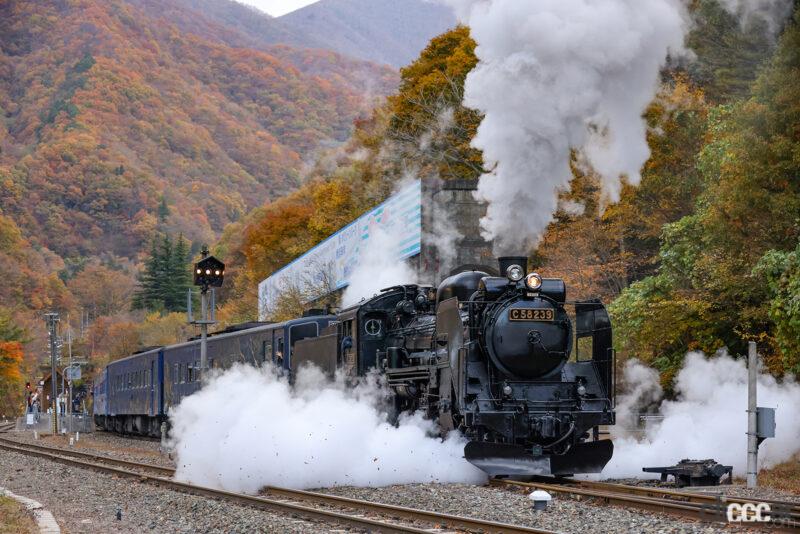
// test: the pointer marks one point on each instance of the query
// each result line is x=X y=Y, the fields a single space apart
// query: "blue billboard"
x=335 y=258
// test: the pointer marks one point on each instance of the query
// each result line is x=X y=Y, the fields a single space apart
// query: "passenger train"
x=524 y=374
x=134 y=395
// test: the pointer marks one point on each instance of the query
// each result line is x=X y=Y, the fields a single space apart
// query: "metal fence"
x=43 y=423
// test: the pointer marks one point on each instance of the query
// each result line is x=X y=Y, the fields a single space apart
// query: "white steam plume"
x=378 y=266
x=773 y=12
x=708 y=418
x=558 y=75
x=443 y=233
x=247 y=428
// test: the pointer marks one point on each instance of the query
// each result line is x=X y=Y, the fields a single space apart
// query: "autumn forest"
x=128 y=140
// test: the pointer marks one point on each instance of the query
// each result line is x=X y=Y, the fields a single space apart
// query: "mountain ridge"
x=392 y=32
x=108 y=112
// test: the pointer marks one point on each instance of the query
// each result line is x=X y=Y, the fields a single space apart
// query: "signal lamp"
x=209 y=272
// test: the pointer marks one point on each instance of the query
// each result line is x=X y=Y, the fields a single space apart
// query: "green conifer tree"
x=163 y=210
x=146 y=296
x=178 y=280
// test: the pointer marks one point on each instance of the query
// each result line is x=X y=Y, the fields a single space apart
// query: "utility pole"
x=69 y=345
x=752 y=414
x=52 y=325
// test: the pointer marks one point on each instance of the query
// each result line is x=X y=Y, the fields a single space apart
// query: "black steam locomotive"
x=492 y=357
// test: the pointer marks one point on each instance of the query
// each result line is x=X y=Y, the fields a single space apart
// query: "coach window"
x=279 y=351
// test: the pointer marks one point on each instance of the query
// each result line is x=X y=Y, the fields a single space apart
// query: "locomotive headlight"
x=515 y=273
x=581 y=390
x=533 y=281
x=507 y=390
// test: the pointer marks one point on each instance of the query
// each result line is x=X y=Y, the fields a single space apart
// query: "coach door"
x=278 y=349
x=298 y=332
x=266 y=349
x=152 y=388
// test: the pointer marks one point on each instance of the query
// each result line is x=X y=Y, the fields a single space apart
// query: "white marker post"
x=752 y=437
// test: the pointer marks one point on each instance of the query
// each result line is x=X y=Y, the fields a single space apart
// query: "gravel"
x=90 y=500
x=562 y=515
x=103 y=444
x=87 y=502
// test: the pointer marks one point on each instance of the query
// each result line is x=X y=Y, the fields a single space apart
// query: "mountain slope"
x=240 y=26
x=116 y=122
x=386 y=31
x=392 y=32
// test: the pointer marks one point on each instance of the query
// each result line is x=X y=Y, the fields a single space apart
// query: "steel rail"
x=661 y=501
x=678 y=495
x=280 y=507
x=168 y=471
x=392 y=511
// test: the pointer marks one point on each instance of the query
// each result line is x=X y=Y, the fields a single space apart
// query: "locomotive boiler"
x=525 y=375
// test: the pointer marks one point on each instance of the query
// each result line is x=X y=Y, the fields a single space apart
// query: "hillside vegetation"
x=704 y=254
x=118 y=127
x=132 y=132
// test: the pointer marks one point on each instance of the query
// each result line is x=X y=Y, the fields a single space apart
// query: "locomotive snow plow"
x=503 y=460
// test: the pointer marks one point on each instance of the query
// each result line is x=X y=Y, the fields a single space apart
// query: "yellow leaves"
x=10 y=234
x=11 y=357
x=157 y=329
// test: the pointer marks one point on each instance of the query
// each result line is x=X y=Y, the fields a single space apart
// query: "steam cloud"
x=774 y=12
x=708 y=419
x=558 y=75
x=378 y=266
x=247 y=428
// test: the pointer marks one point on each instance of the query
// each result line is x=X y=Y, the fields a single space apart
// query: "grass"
x=785 y=476
x=14 y=519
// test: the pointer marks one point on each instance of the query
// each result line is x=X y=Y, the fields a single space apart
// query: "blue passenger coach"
x=136 y=393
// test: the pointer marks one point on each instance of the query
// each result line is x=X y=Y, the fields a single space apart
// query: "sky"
x=276 y=8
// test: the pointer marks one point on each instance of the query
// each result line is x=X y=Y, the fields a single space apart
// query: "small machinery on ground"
x=695 y=473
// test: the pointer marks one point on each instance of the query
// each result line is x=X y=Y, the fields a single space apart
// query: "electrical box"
x=765 y=422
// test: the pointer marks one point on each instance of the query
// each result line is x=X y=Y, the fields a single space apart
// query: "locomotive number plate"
x=531 y=314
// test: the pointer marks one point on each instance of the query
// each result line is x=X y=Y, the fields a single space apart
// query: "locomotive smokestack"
x=506 y=261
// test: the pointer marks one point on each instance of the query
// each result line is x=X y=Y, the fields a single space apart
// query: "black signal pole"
x=208 y=272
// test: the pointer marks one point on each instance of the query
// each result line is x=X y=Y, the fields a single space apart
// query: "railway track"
x=698 y=506
x=366 y=515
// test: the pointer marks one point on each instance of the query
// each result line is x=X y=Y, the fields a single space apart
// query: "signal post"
x=208 y=273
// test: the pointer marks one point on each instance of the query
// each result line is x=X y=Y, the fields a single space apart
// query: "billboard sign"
x=335 y=258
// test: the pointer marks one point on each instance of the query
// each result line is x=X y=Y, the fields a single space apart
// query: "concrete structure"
x=448 y=239
x=449 y=209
